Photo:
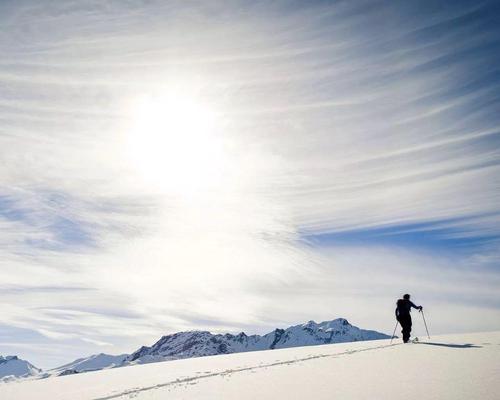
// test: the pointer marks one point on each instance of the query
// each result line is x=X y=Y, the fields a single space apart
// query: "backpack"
x=400 y=307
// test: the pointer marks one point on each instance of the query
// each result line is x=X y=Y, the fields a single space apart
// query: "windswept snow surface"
x=445 y=367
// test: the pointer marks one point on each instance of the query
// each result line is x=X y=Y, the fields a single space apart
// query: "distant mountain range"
x=202 y=343
x=93 y=363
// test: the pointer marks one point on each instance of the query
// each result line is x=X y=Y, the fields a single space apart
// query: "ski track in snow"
x=191 y=380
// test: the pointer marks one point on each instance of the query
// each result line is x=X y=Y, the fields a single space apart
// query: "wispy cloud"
x=360 y=145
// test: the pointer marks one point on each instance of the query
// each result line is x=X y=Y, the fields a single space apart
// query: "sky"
x=240 y=166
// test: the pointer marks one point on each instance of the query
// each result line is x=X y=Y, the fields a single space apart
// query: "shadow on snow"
x=454 y=346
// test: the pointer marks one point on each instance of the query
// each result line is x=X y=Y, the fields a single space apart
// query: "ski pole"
x=427 y=330
x=393 y=333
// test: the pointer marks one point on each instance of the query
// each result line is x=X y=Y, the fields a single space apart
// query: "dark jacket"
x=404 y=307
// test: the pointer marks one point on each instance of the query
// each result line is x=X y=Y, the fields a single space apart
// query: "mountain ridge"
x=200 y=343
x=190 y=344
x=458 y=367
x=94 y=362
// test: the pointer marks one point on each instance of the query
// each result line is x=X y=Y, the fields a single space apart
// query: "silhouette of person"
x=403 y=316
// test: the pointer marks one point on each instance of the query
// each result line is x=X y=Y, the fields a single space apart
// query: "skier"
x=403 y=316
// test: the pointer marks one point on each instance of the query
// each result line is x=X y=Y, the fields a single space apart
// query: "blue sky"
x=444 y=236
x=243 y=166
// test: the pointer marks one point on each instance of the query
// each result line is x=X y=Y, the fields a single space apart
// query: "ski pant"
x=405 y=321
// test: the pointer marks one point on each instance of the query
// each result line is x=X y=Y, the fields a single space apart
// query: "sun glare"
x=174 y=145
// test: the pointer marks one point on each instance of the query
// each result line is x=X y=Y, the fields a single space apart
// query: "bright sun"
x=174 y=145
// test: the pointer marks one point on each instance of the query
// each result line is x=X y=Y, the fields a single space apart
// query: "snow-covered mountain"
x=12 y=366
x=198 y=344
x=451 y=367
x=202 y=343
x=92 y=363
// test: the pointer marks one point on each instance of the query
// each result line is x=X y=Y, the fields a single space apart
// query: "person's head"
x=406 y=296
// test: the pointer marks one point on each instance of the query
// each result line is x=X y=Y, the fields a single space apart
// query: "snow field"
x=446 y=367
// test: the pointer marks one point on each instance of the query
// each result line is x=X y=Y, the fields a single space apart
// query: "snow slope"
x=15 y=367
x=202 y=343
x=92 y=363
x=447 y=367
